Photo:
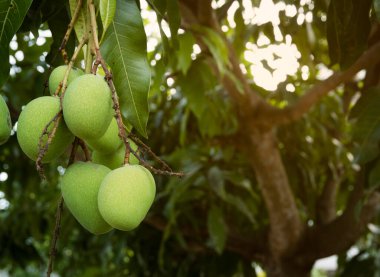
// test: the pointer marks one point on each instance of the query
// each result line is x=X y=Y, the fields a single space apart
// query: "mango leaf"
x=107 y=12
x=186 y=42
x=80 y=25
x=174 y=20
x=12 y=13
x=124 y=49
x=217 y=229
x=217 y=47
x=366 y=127
x=348 y=26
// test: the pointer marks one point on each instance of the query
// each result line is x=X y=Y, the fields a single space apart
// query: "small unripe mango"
x=109 y=142
x=125 y=196
x=31 y=123
x=58 y=74
x=116 y=159
x=80 y=185
x=5 y=122
x=87 y=107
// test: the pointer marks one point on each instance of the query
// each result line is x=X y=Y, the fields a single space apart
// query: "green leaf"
x=124 y=49
x=348 y=27
x=366 y=128
x=80 y=24
x=174 y=20
x=217 y=229
x=12 y=13
x=217 y=47
x=186 y=42
x=107 y=13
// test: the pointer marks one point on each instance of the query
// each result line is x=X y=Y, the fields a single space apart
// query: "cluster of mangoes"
x=102 y=194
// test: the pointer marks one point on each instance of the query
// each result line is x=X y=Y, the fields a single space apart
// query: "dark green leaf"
x=124 y=49
x=348 y=27
x=217 y=47
x=12 y=13
x=366 y=128
x=217 y=229
x=107 y=12
x=80 y=24
x=174 y=20
x=186 y=42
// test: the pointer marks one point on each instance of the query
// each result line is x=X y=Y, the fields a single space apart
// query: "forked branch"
x=318 y=91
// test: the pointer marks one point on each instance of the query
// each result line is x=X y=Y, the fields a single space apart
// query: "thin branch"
x=58 y=216
x=43 y=148
x=318 y=91
x=69 y=30
x=149 y=151
x=71 y=64
x=57 y=230
x=122 y=132
x=85 y=150
x=115 y=99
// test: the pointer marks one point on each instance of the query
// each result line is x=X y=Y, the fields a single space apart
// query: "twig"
x=43 y=148
x=313 y=95
x=69 y=30
x=85 y=150
x=71 y=64
x=116 y=105
x=58 y=216
x=73 y=151
x=57 y=230
x=149 y=151
x=122 y=132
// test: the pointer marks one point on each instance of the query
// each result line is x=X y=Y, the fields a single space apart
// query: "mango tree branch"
x=69 y=30
x=58 y=216
x=286 y=226
x=122 y=132
x=318 y=91
x=115 y=99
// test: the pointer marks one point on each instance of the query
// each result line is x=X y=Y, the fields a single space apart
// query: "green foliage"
x=5 y=122
x=124 y=49
x=12 y=13
x=348 y=27
x=107 y=10
x=193 y=126
x=366 y=130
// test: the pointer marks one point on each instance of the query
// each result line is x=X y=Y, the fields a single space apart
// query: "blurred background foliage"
x=193 y=126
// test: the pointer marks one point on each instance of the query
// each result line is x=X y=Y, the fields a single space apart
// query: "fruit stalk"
x=56 y=119
x=122 y=132
x=69 y=30
x=115 y=100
